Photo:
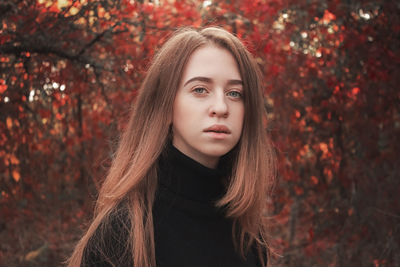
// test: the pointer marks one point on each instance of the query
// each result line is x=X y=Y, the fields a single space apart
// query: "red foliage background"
x=69 y=73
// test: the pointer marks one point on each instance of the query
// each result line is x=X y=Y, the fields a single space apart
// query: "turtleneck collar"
x=188 y=178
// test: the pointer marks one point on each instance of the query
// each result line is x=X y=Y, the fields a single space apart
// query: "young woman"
x=189 y=182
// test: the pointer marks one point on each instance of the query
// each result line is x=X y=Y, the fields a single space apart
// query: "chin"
x=217 y=151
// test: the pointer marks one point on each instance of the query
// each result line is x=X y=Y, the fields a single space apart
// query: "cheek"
x=178 y=113
x=182 y=114
x=239 y=117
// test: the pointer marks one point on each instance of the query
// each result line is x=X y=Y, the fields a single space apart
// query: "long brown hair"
x=133 y=176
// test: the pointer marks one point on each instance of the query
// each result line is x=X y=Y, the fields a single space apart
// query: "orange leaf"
x=54 y=8
x=3 y=88
x=14 y=160
x=16 y=175
x=298 y=190
x=355 y=91
x=314 y=180
x=9 y=123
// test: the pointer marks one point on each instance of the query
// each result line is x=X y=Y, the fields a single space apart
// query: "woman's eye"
x=199 y=90
x=235 y=94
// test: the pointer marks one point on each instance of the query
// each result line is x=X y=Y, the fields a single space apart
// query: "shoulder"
x=109 y=245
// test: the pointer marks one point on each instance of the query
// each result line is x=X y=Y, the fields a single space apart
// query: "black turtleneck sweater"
x=189 y=231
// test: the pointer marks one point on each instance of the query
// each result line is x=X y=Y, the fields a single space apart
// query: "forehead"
x=212 y=62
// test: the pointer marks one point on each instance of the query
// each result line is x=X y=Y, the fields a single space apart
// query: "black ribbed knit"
x=189 y=230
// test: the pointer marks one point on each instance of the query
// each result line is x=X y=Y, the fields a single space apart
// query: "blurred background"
x=69 y=73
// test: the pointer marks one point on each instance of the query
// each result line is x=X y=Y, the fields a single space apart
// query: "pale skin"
x=208 y=109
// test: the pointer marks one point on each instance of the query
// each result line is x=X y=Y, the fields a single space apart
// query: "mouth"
x=222 y=129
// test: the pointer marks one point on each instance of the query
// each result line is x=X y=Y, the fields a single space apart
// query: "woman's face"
x=208 y=109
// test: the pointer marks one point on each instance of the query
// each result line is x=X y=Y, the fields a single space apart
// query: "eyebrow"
x=208 y=80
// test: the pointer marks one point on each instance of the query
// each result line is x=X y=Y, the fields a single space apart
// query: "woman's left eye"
x=235 y=94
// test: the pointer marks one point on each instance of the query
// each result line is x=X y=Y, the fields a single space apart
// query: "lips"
x=218 y=129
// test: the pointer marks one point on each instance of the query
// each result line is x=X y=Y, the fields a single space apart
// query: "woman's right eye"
x=199 y=90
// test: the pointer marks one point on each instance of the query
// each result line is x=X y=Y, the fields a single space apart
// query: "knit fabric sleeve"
x=109 y=246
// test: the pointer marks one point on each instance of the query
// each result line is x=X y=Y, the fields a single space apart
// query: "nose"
x=219 y=107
